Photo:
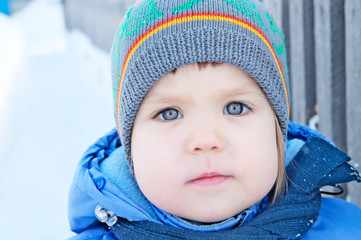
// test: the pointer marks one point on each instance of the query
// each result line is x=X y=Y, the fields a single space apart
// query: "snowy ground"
x=55 y=100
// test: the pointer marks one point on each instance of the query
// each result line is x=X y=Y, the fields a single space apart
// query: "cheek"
x=157 y=181
x=257 y=147
x=149 y=172
x=268 y=155
x=154 y=162
x=146 y=156
x=152 y=149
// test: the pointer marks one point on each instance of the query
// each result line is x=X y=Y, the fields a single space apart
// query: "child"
x=206 y=150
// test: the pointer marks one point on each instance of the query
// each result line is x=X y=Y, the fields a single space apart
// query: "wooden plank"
x=353 y=90
x=108 y=14
x=74 y=14
x=69 y=13
x=330 y=71
x=302 y=77
x=285 y=22
x=97 y=19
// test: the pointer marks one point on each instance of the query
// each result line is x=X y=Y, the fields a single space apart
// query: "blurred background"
x=55 y=101
x=56 y=96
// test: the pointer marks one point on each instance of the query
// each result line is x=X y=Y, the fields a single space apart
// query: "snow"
x=55 y=101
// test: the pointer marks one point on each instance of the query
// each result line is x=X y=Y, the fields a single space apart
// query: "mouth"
x=209 y=179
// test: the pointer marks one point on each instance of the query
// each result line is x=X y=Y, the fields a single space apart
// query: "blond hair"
x=280 y=185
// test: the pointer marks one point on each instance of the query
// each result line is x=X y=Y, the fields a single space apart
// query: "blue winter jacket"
x=97 y=182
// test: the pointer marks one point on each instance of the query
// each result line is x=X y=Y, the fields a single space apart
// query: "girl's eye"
x=169 y=114
x=235 y=108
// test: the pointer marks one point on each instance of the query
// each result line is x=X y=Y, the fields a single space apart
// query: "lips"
x=209 y=179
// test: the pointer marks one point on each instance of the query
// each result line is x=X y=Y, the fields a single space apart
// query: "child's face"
x=204 y=143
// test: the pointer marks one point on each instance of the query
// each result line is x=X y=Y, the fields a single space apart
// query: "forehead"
x=205 y=77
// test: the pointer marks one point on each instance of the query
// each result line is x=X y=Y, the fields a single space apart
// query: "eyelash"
x=243 y=107
x=161 y=113
x=178 y=114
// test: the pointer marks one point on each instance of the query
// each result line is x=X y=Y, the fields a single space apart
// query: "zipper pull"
x=105 y=216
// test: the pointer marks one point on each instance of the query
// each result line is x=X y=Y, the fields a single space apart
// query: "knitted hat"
x=158 y=36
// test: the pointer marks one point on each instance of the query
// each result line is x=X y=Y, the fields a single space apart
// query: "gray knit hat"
x=158 y=36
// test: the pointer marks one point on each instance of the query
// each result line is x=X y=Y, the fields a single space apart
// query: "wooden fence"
x=98 y=19
x=323 y=42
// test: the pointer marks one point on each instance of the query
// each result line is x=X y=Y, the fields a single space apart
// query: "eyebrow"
x=165 y=99
x=233 y=91
x=183 y=99
x=248 y=90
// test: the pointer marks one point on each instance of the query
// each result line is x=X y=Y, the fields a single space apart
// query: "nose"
x=205 y=138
